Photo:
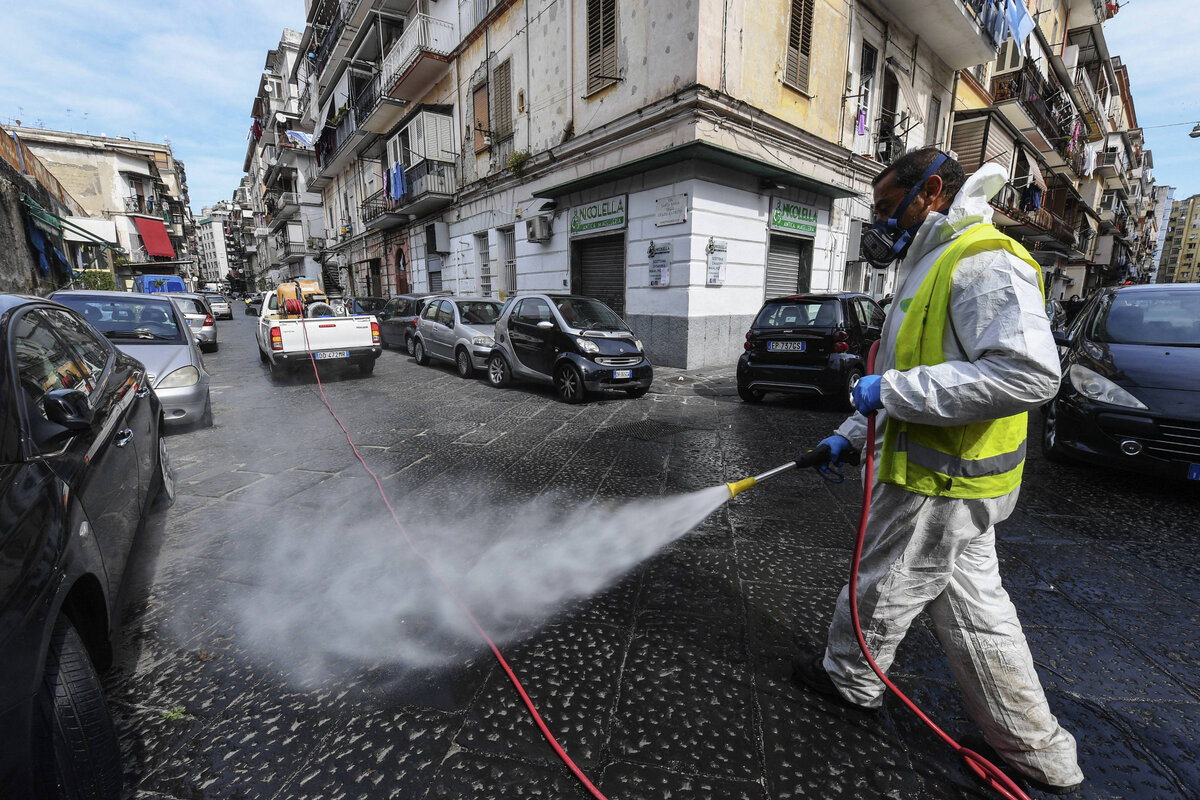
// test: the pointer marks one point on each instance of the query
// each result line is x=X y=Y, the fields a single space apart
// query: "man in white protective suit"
x=966 y=351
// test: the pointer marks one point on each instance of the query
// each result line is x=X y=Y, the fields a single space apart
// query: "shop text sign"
x=787 y=215
x=599 y=216
x=717 y=252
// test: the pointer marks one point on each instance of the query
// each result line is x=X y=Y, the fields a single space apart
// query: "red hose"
x=986 y=770
x=533 y=712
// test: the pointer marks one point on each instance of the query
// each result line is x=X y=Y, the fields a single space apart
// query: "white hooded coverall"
x=939 y=553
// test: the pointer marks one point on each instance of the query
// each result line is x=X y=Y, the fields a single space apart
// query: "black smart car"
x=578 y=344
x=813 y=344
x=81 y=458
x=1130 y=394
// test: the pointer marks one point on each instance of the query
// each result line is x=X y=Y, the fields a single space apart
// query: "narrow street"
x=281 y=641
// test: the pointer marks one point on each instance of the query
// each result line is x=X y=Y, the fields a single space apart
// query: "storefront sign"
x=602 y=215
x=717 y=251
x=671 y=210
x=660 y=264
x=795 y=217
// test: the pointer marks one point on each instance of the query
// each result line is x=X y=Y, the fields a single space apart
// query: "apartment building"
x=289 y=227
x=140 y=186
x=1180 y=260
x=1057 y=112
x=220 y=253
x=680 y=163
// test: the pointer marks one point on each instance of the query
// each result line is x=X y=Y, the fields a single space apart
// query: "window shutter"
x=481 y=117
x=602 y=43
x=799 y=44
x=502 y=100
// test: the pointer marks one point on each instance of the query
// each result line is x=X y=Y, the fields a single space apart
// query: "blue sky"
x=187 y=72
x=147 y=69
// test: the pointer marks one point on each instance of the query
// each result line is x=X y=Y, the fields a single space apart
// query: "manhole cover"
x=647 y=429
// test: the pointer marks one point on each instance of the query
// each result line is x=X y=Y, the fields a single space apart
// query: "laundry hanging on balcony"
x=398 y=181
x=300 y=137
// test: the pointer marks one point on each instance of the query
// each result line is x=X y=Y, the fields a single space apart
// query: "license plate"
x=618 y=374
x=1194 y=472
x=785 y=347
x=333 y=354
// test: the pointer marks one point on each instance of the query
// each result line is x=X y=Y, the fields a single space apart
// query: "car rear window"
x=477 y=312
x=143 y=321
x=190 y=305
x=798 y=314
x=1153 y=318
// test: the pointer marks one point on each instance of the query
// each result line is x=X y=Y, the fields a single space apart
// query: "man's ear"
x=933 y=193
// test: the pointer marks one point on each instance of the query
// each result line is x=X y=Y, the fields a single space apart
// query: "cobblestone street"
x=674 y=682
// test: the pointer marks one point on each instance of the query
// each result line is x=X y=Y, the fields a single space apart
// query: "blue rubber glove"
x=839 y=446
x=866 y=394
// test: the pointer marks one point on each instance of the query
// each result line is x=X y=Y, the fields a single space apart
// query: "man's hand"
x=839 y=448
x=866 y=394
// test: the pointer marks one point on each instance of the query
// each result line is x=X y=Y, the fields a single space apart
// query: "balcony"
x=336 y=147
x=1020 y=97
x=289 y=251
x=377 y=112
x=1031 y=225
x=418 y=59
x=379 y=212
x=335 y=44
x=961 y=37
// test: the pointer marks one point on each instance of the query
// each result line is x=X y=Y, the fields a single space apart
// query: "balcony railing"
x=424 y=34
x=376 y=206
x=368 y=98
x=333 y=139
x=429 y=177
x=1030 y=89
x=1009 y=200
x=135 y=204
x=329 y=41
x=1113 y=158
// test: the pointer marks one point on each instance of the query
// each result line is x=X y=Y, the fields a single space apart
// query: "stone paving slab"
x=675 y=681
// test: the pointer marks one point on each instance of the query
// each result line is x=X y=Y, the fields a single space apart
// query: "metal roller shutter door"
x=602 y=271
x=787 y=271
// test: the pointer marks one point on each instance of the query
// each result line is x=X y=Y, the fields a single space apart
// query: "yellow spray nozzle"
x=737 y=487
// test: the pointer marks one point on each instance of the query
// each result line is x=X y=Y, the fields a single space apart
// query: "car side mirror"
x=546 y=325
x=1062 y=339
x=68 y=408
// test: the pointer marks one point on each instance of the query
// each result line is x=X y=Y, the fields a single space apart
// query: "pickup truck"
x=290 y=333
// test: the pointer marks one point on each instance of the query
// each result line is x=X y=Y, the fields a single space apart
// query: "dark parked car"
x=364 y=305
x=1130 y=395
x=397 y=319
x=578 y=344
x=812 y=344
x=81 y=458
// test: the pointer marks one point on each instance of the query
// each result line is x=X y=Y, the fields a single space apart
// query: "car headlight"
x=184 y=376
x=1097 y=387
x=638 y=344
x=586 y=345
x=483 y=341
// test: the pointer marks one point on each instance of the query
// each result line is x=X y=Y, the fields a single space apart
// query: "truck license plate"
x=334 y=354
x=785 y=347
x=618 y=374
x=1194 y=472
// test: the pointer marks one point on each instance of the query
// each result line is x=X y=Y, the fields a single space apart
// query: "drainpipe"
x=842 y=111
x=528 y=87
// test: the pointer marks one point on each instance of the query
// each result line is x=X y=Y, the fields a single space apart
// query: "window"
x=508 y=252
x=934 y=124
x=485 y=264
x=799 y=44
x=502 y=116
x=481 y=118
x=532 y=311
x=44 y=364
x=92 y=350
x=601 y=44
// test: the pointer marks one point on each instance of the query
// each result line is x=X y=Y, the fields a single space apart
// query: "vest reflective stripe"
x=978 y=460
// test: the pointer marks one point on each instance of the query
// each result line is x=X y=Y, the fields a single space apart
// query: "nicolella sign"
x=599 y=216
x=793 y=217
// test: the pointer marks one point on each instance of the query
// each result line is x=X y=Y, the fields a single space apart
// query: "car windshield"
x=798 y=314
x=1152 y=318
x=583 y=312
x=134 y=318
x=479 y=312
x=369 y=305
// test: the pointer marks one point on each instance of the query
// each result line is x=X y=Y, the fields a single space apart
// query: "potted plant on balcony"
x=516 y=161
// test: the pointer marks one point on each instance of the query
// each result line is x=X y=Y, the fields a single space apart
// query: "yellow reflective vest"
x=978 y=460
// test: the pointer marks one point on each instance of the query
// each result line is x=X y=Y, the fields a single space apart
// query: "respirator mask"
x=884 y=242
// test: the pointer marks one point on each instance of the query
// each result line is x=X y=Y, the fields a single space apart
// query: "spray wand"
x=816 y=457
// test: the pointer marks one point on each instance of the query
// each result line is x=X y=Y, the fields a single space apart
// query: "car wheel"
x=638 y=392
x=462 y=360
x=1051 y=449
x=846 y=401
x=569 y=384
x=366 y=367
x=409 y=345
x=419 y=353
x=749 y=395
x=164 y=489
x=497 y=372
x=81 y=757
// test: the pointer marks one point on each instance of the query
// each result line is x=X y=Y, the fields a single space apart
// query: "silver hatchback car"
x=151 y=329
x=200 y=318
x=221 y=307
x=458 y=330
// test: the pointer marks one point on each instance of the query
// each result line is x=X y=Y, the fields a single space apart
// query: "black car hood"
x=1144 y=365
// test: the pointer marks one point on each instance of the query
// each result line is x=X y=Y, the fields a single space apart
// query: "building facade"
x=1180 y=260
x=139 y=186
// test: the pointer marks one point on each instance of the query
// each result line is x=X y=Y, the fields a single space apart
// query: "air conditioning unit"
x=537 y=229
x=437 y=237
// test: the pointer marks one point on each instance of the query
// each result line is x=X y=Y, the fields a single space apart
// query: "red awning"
x=154 y=237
